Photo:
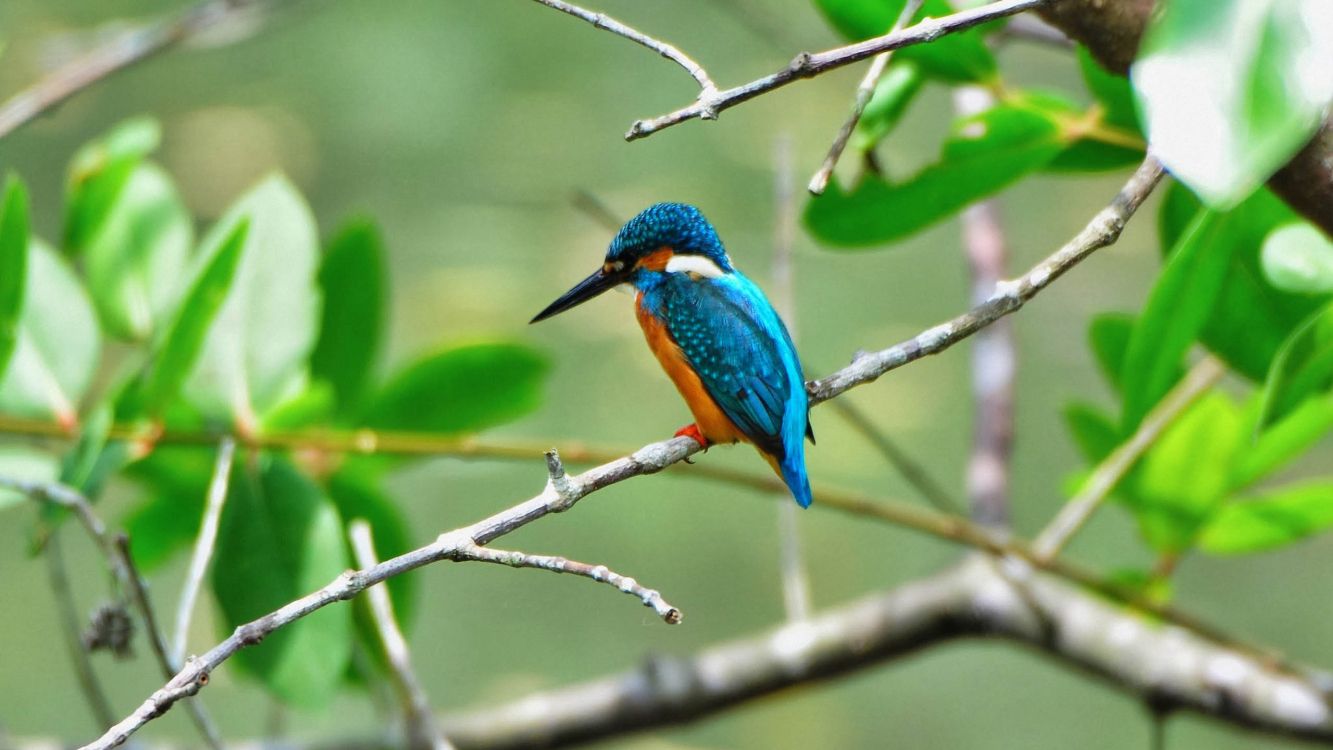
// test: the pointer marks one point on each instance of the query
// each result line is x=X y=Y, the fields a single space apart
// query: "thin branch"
x=864 y=91
x=562 y=492
x=1198 y=381
x=912 y=472
x=807 y=65
x=93 y=692
x=971 y=600
x=607 y=23
x=133 y=46
x=139 y=593
x=203 y=548
x=422 y=731
x=994 y=357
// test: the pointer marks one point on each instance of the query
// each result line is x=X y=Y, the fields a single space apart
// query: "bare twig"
x=203 y=548
x=1109 y=472
x=562 y=491
x=136 y=45
x=912 y=472
x=993 y=354
x=421 y=729
x=607 y=23
x=864 y=91
x=807 y=65
x=791 y=562
x=970 y=600
x=93 y=692
x=139 y=593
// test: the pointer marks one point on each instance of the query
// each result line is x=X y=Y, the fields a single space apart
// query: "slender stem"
x=1198 y=381
x=807 y=65
x=421 y=729
x=93 y=692
x=203 y=547
x=864 y=91
x=914 y=473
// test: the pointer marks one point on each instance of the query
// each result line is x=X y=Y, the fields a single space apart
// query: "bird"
x=714 y=333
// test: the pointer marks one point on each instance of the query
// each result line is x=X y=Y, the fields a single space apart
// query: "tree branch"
x=807 y=65
x=203 y=547
x=1174 y=667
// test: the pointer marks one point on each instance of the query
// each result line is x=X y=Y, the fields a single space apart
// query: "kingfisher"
x=714 y=333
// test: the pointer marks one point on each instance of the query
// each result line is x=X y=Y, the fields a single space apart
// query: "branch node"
x=566 y=489
x=801 y=66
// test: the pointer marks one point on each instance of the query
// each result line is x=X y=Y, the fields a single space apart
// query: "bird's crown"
x=678 y=226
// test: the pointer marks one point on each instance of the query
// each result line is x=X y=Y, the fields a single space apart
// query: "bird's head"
x=663 y=238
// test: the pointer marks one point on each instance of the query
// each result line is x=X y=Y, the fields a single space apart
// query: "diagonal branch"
x=1176 y=668
x=562 y=491
x=808 y=65
x=203 y=547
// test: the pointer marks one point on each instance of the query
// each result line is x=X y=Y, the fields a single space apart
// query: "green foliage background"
x=462 y=130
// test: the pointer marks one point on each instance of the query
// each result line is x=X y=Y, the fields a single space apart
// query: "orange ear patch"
x=657 y=260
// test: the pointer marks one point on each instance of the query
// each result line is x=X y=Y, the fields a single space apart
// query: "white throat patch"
x=694 y=264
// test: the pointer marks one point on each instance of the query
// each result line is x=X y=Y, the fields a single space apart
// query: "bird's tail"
x=792 y=471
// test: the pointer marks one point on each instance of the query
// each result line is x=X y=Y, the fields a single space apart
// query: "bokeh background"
x=464 y=129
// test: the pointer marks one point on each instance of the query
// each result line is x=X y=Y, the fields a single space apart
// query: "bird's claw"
x=692 y=431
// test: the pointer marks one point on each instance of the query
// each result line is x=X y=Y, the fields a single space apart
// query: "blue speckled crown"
x=680 y=226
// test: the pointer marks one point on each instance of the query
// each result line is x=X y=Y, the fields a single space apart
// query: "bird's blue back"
x=743 y=355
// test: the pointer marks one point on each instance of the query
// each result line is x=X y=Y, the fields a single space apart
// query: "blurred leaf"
x=894 y=91
x=1095 y=432
x=1143 y=582
x=1282 y=442
x=1251 y=318
x=1230 y=89
x=459 y=390
x=961 y=57
x=58 y=343
x=13 y=264
x=1186 y=473
x=1271 y=519
x=256 y=350
x=983 y=154
x=281 y=538
x=357 y=495
x=174 y=482
x=312 y=406
x=186 y=335
x=1089 y=154
x=352 y=280
x=136 y=259
x=99 y=172
x=1302 y=368
x=1176 y=311
x=1298 y=258
x=86 y=465
x=1111 y=91
x=1109 y=335
x=28 y=464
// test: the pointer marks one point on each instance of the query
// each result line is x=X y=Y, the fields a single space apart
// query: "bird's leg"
x=692 y=431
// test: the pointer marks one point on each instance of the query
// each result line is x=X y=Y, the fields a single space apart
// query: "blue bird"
x=715 y=334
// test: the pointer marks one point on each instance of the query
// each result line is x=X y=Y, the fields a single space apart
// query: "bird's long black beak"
x=582 y=292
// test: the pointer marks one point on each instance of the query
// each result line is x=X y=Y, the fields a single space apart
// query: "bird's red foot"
x=692 y=431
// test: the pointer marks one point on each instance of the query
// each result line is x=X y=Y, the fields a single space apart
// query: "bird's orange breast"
x=712 y=421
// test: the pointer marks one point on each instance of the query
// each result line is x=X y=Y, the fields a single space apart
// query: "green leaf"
x=174 y=485
x=1109 y=335
x=281 y=538
x=135 y=260
x=1177 y=309
x=1095 y=432
x=1271 y=519
x=896 y=89
x=464 y=389
x=1231 y=89
x=13 y=264
x=1298 y=258
x=1186 y=474
x=1251 y=318
x=983 y=154
x=1111 y=91
x=357 y=495
x=352 y=280
x=99 y=172
x=58 y=343
x=28 y=464
x=257 y=348
x=185 y=337
x=961 y=57
x=86 y=465
x=1302 y=368
x=1284 y=441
